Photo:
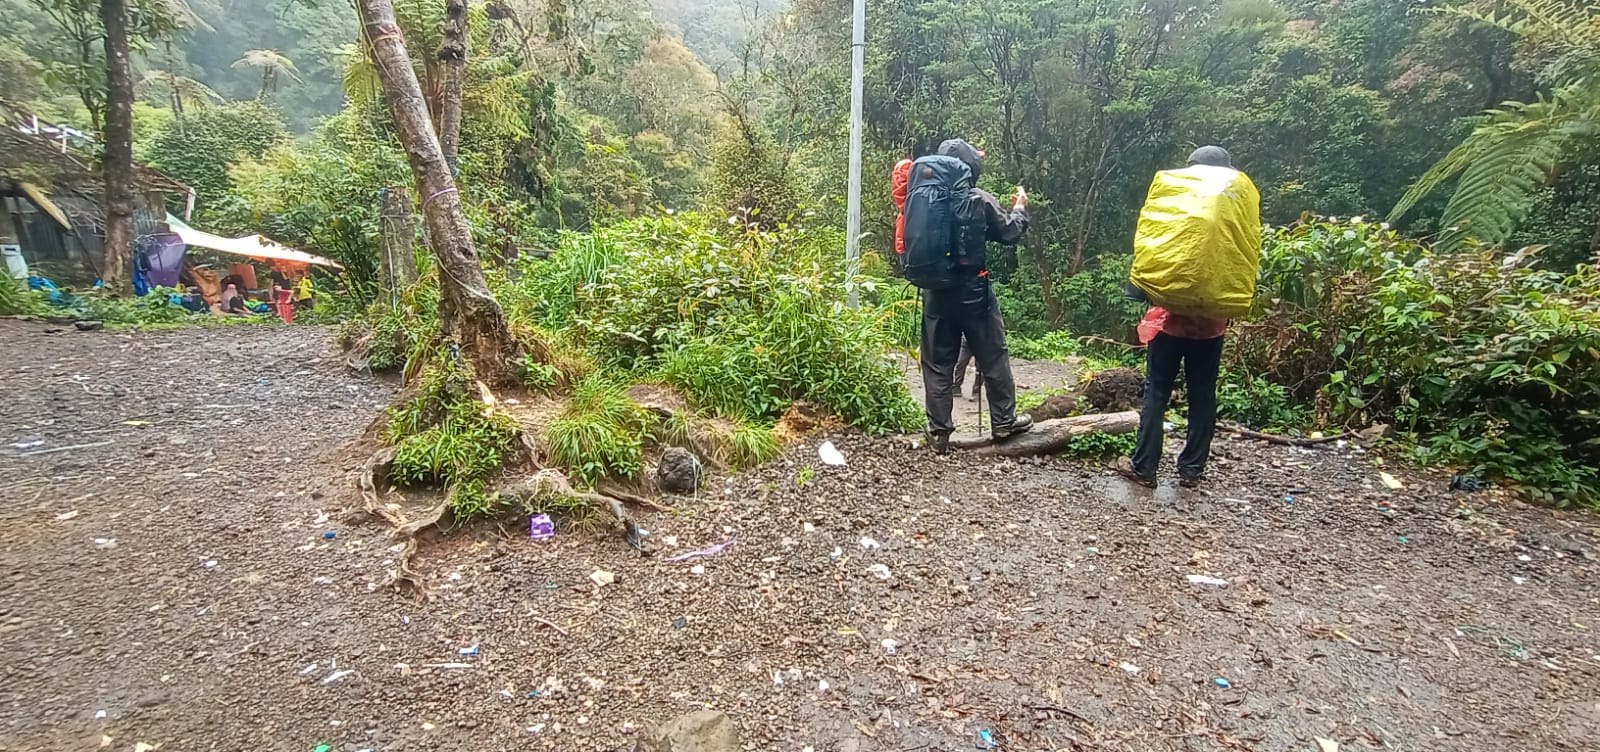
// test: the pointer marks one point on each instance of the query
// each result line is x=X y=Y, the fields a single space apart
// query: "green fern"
x=1504 y=163
x=1506 y=159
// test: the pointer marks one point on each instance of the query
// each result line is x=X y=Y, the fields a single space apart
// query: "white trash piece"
x=830 y=454
x=1200 y=579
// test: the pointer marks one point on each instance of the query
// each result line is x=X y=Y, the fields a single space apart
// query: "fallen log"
x=1050 y=436
x=1272 y=438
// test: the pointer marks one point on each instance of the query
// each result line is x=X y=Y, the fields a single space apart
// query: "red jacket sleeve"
x=899 y=182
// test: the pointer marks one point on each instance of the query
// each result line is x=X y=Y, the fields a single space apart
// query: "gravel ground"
x=902 y=602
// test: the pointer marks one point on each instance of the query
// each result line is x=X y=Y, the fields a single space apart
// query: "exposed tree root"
x=1282 y=440
x=374 y=477
x=549 y=483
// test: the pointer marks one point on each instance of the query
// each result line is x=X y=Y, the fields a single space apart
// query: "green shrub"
x=896 y=307
x=744 y=328
x=444 y=434
x=391 y=334
x=1093 y=299
x=1482 y=360
x=155 y=309
x=748 y=445
x=17 y=300
x=1057 y=345
x=200 y=150
x=1102 y=445
x=1257 y=402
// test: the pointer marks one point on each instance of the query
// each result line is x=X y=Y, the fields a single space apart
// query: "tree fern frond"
x=188 y=89
x=1572 y=23
x=359 y=79
x=1514 y=125
x=1462 y=156
x=500 y=104
x=195 y=92
x=1514 y=152
x=1498 y=189
x=269 y=60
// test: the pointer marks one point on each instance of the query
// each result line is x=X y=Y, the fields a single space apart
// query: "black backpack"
x=944 y=227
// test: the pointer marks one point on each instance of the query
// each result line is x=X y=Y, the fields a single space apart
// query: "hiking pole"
x=979 y=386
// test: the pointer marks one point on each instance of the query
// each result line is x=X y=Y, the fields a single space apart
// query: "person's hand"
x=1020 y=198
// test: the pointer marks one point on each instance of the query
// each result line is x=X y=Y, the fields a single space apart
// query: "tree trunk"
x=1050 y=436
x=399 y=263
x=117 y=159
x=468 y=311
x=453 y=54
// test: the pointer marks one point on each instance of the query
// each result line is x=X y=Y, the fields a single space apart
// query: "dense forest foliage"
x=590 y=110
x=584 y=119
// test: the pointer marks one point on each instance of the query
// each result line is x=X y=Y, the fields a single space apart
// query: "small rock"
x=678 y=472
x=700 y=731
x=88 y=326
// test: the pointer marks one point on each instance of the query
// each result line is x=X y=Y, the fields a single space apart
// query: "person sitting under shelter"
x=233 y=302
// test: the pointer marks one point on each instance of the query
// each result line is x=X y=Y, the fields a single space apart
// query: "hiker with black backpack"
x=899 y=186
x=948 y=222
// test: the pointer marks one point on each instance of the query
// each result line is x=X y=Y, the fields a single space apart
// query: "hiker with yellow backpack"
x=1196 y=256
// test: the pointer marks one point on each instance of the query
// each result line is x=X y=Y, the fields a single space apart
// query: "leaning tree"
x=468 y=311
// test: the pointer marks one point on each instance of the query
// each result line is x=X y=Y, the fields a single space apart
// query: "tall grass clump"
x=744 y=325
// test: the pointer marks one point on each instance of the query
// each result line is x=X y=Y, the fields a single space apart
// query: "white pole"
x=858 y=64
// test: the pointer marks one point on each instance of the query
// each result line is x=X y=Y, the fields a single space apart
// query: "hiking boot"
x=939 y=442
x=1190 y=481
x=1019 y=424
x=1124 y=467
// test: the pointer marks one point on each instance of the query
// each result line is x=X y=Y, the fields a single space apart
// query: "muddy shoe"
x=1124 y=467
x=939 y=443
x=1190 y=481
x=1020 y=424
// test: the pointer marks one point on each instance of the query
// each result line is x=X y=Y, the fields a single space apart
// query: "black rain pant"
x=968 y=311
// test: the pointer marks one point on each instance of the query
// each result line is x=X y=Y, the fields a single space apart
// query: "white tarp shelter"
x=250 y=246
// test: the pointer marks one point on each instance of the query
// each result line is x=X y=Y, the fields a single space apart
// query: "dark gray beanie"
x=1214 y=156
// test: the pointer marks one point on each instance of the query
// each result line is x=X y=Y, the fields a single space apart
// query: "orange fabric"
x=899 y=182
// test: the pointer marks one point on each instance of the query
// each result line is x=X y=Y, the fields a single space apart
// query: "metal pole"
x=858 y=64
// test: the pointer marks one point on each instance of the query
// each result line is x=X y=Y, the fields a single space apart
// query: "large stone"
x=700 y=731
x=678 y=472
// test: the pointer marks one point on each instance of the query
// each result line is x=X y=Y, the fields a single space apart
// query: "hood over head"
x=967 y=153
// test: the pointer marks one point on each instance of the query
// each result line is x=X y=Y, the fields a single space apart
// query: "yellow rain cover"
x=1198 y=247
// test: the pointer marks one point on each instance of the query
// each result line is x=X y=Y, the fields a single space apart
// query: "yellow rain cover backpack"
x=1197 y=251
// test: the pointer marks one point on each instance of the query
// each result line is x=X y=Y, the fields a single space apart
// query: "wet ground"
x=178 y=571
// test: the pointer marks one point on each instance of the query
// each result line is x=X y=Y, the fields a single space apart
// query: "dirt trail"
x=1046 y=603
